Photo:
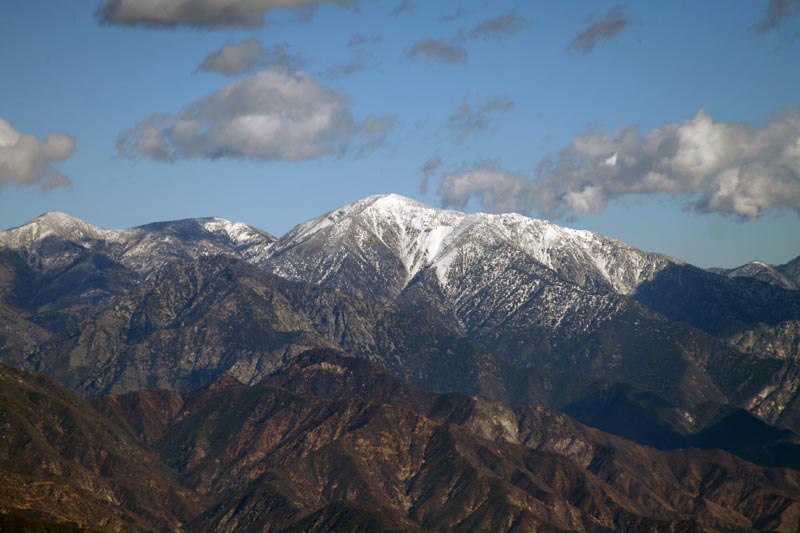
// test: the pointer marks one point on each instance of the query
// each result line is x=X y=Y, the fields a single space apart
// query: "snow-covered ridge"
x=54 y=239
x=238 y=232
x=55 y=224
x=372 y=231
x=779 y=275
x=425 y=237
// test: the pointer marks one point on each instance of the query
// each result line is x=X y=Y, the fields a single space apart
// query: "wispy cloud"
x=467 y=120
x=364 y=40
x=777 y=13
x=206 y=14
x=362 y=60
x=273 y=114
x=363 y=57
x=437 y=50
x=600 y=29
x=714 y=166
x=27 y=160
x=250 y=54
x=458 y=14
x=497 y=27
x=405 y=6
x=429 y=169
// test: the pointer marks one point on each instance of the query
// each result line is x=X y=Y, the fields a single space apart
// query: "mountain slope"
x=328 y=429
x=530 y=291
x=60 y=460
x=390 y=239
x=647 y=419
x=535 y=293
x=382 y=247
x=786 y=276
x=142 y=249
x=192 y=322
x=760 y=271
x=185 y=325
x=717 y=304
x=779 y=341
x=57 y=270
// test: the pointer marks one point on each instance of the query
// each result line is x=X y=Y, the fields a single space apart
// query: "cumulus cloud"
x=598 y=29
x=272 y=114
x=497 y=27
x=437 y=50
x=714 y=166
x=497 y=191
x=428 y=170
x=26 y=160
x=466 y=120
x=777 y=13
x=250 y=54
x=206 y=14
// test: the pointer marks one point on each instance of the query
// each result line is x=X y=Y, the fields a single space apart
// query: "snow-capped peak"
x=53 y=223
x=412 y=230
x=421 y=237
x=237 y=232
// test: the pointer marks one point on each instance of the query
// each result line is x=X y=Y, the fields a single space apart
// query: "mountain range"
x=476 y=346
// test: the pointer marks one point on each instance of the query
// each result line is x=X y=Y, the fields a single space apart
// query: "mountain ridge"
x=526 y=314
x=481 y=277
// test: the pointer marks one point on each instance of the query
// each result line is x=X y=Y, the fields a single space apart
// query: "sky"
x=674 y=126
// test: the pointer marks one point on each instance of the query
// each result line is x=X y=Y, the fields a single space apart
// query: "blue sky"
x=519 y=85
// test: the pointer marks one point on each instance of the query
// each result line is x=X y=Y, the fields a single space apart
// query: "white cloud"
x=26 y=160
x=497 y=191
x=197 y=13
x=715 y=166
x=272 y=114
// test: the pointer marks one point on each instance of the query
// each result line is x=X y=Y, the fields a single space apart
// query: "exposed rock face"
x=781 y=341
